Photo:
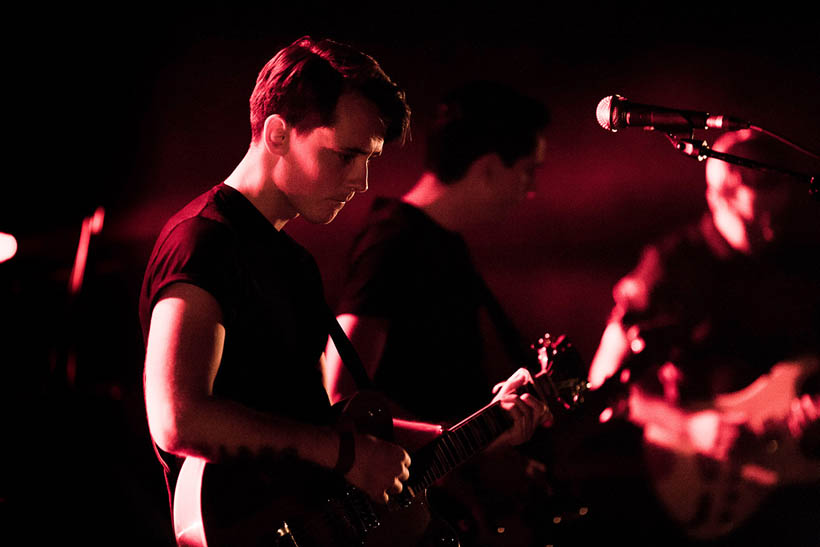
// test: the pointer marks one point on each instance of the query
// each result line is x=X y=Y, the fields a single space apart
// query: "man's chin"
x=322 y=219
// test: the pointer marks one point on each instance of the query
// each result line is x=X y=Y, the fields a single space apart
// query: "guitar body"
x=218 y=505
x=711 y=494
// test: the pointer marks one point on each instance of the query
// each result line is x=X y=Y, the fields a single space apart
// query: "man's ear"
x=491 y=168
x=276 y=134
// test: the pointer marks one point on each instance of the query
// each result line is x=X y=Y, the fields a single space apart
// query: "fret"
x=432 y=476
x=462 y=441
x=482 y=434
x=451 y=450
x=447 y=458
x=450 y=447
x=464 y=451
x=437 y=467
x=474 y=431
x=442 y=458
x=472 y=439
x=486 y=425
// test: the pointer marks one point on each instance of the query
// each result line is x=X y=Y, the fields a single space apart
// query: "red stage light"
x=8 y=246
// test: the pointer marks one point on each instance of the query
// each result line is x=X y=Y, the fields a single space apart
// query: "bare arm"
x=612 y=350
x=368 y=335
x=183 y=355
x=182 y=358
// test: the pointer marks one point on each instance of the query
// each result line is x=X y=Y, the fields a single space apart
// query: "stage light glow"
x=8 y=246
x=92 y=225
x=96 y=222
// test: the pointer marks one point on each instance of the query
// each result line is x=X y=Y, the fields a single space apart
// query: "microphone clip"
x=700 y=149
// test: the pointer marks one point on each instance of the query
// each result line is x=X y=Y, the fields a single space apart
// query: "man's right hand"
x=379 y=467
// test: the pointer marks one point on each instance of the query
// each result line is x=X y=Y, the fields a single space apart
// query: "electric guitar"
x=300 y=504
x=713 y=466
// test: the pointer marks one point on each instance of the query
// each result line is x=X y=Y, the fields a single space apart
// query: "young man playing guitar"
x=232 y=309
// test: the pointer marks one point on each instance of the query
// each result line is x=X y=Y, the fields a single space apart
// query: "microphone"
x=615 y=112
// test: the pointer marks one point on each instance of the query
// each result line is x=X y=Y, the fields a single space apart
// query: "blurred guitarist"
x=430 y=332
x=715 y=314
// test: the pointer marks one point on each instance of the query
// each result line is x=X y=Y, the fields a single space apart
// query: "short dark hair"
x=479 y=118
x=303 y=82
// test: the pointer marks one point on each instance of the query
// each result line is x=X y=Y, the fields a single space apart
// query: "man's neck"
x=252 y=178
x=444 y=203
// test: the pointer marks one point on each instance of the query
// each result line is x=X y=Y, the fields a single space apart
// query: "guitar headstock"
x=559 y=373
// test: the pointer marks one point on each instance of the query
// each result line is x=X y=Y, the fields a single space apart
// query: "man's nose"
x=358 y=178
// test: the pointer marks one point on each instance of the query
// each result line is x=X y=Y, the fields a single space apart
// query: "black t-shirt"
x=271 y=295
x=724 y=318
x=406 y=268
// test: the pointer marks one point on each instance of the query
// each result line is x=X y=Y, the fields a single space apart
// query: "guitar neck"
x=458 y=444
x=473 y=434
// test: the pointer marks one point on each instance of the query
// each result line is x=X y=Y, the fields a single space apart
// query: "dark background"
x=140 y=109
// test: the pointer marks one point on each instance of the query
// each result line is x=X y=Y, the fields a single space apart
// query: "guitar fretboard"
x=475 y=433
x=457 y=445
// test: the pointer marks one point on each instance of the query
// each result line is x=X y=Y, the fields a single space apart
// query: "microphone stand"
x=701 y=150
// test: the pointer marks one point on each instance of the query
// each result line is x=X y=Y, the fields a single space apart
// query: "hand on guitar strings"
x=379 y=467
x=527 y=411
x=803 y=411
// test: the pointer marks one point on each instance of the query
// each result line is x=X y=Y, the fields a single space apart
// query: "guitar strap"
x=508 y=333
x=348 y=353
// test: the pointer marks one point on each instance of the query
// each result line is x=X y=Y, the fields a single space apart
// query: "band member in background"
x=232 y=308
x=710 y=310
x=414 y=305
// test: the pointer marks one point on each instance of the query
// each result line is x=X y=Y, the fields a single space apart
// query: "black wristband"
x=347 y=452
